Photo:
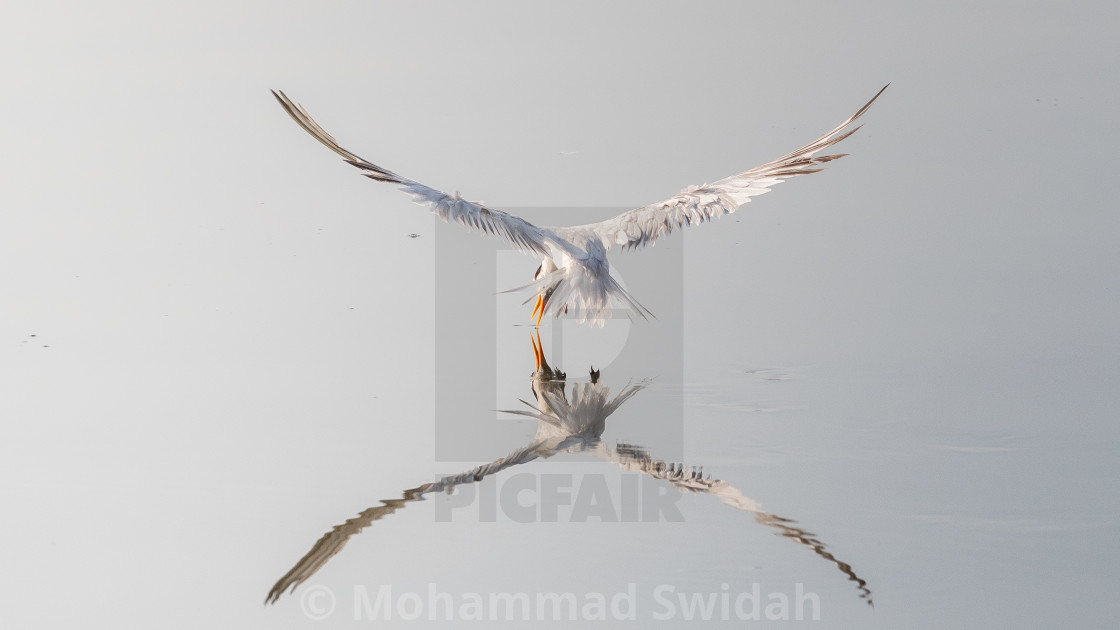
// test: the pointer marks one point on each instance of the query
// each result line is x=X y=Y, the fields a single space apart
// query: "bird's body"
x=578 y=281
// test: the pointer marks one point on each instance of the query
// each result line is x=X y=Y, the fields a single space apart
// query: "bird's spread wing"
x=687 y=479
x=523 y=235
x=333 y=541
x=698 y=204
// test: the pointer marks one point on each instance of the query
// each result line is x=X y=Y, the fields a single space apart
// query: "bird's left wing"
x=333 y=541
x=523 y=235
x=698 y=204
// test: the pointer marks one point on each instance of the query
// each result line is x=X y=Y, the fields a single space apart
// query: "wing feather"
x=523 y=235
x=332 y=542
x=699 y=204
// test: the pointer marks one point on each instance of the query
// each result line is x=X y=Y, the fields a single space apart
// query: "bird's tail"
x=578 y=292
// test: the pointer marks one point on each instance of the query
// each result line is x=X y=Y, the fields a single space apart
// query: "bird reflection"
x=566 y=424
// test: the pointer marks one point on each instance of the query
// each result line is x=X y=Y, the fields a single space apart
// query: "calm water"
x=773 y=454
x=881 y=396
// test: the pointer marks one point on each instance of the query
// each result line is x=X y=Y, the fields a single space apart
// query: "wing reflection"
x=688 y=479
x=565 y=425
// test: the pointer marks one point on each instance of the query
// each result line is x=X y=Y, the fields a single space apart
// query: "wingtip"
x=877 y=94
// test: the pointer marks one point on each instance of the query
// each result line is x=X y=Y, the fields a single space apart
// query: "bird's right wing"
x=524 y=236
x=687 y=479
x=699 y=204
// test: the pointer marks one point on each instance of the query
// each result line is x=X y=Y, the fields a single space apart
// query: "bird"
x=574 y=277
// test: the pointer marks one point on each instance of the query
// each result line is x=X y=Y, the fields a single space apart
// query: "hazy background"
x=216 y=339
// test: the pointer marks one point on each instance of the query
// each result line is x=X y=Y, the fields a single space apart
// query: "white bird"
x=574 y=275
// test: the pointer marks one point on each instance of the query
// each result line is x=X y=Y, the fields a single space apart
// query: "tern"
x=574 y=276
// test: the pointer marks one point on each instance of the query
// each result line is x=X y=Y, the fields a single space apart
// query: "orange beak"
x=538 y=310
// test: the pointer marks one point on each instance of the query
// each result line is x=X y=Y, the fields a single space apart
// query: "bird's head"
x=546 y=268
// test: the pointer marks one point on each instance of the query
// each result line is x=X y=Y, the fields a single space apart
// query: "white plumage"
x=581 y=284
